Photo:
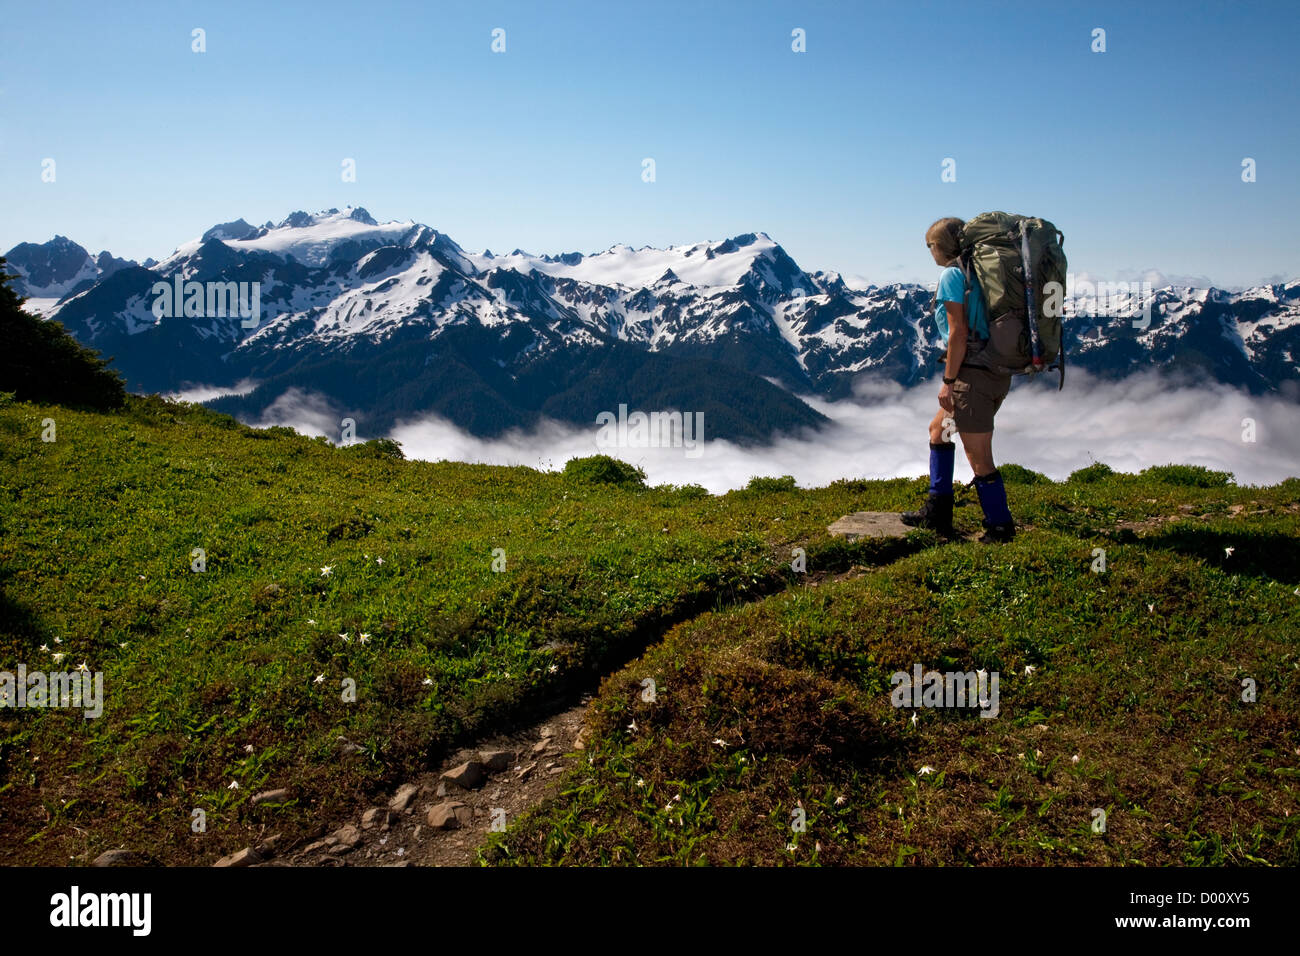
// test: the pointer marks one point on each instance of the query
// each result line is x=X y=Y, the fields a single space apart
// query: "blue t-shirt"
x=952 y=288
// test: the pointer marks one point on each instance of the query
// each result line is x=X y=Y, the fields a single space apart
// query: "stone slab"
x=870 y=524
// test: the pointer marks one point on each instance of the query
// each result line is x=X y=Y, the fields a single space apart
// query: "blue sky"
x=1135 y=153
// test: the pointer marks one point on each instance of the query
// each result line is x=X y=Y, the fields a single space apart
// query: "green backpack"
x=1009 y=254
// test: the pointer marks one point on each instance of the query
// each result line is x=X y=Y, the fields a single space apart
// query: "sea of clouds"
x=1140 y=421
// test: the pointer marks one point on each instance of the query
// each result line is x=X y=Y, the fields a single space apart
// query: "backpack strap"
x=965 y=267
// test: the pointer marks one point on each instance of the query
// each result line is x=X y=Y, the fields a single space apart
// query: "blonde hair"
x=945 y=233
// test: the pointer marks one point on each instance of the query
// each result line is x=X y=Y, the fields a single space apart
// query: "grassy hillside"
x=1120 y=691
x=212 y=677
x=236 y=674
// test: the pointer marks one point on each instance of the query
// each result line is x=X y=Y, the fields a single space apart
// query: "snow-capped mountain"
x=394 y=319
x=58 y=268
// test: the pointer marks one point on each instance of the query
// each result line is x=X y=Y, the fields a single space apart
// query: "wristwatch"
x=949 y=381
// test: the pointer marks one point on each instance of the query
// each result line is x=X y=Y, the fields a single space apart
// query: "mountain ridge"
x=337 y=284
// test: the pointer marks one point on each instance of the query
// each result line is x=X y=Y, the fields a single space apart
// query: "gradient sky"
x=1134 y=153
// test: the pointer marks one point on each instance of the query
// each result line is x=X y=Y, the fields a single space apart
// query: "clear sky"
x=835 y=152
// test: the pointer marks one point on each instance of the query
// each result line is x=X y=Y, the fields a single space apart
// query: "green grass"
x=784 y=705
x=211 y=677
x=97 y=550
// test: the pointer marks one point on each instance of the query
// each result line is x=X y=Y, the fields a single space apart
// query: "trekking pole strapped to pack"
x=1031 y=306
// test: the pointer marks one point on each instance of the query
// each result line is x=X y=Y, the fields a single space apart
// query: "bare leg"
x=979 y=451
x=936 y=427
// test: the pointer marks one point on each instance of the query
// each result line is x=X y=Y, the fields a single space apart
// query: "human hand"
x=945 y=398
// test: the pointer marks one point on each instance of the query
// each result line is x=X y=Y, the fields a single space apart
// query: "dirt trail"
x=398 y=832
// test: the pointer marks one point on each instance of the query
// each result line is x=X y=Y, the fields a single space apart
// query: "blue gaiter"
x=993 y=498
x=941 y=459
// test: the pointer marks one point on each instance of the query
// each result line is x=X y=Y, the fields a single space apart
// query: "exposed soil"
x=538 y=757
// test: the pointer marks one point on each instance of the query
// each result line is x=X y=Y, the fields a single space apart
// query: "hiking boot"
x=998 y=533
x=935 y=514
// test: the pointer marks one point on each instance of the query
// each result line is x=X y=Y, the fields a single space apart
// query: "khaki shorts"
x=976 y=397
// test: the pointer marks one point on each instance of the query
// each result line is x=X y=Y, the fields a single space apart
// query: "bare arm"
x=958 y=332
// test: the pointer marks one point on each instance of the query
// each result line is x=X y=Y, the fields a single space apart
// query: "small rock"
x=377 y=817
x=540 y=746
x=580 y=741
x=402 y=799
x=339 y=850
x=245 y=857
x=451 y=815
x=525 y=771
x=321 y=844
x=267 y=847
x=547 y=731
x=271 y=796
x=496 y=760
x=555 y=770
x=442 y=789
x=348 y=835
x=117 y=858
x=468 y=775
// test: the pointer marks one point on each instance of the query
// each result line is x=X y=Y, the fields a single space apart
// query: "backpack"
x=1008 y=254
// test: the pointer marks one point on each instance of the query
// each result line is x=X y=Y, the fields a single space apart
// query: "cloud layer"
x=881 y=433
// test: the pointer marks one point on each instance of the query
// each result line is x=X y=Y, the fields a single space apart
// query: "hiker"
x=970 y=395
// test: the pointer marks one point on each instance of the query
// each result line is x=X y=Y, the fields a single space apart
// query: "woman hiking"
x=971 y=396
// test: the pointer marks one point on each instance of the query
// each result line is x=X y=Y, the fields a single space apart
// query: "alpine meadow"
x=868 y=457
